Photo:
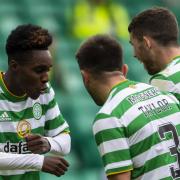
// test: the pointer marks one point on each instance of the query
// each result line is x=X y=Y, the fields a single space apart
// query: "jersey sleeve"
x=20 y=161
x=112 y=144
x=54 y=120
x=166 y=84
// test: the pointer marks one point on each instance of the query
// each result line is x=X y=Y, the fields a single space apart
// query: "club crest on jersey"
x=37 y=111
x=23 y=128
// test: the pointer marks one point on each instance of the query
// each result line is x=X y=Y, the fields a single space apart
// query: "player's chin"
x=98 y=101
x=151 y=71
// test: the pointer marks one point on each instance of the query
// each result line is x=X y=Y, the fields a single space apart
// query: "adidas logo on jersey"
x=5 y=117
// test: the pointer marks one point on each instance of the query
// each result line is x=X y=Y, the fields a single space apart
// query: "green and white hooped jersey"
x=138 y=130
x=20 y=116
x=169 y=79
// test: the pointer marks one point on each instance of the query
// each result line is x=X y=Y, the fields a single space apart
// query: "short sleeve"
x=112 y=144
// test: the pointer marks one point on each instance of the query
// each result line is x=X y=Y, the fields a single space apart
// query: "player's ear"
x=85 y=76
x=13 y=65
x=147 y=41
x=124 y=69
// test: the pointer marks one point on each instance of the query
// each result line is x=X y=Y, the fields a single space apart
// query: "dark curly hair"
x=27 y=37
x=100 y=53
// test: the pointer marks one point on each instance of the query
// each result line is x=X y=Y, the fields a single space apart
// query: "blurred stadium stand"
x=75 y=103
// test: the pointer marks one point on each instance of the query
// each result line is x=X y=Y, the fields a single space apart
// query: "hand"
x=55 y=165
x=37 y=144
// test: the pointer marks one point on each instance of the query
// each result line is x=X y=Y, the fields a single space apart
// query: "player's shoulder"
x=159 y=75
x=166 y=79
x=119 y=96
x=172 y=69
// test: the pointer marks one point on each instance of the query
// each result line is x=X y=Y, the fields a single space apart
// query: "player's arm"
x=113 y=146
x=49 y=164
x=20 y=161
x=59 y=144
x=57 y=138
x=121 y=176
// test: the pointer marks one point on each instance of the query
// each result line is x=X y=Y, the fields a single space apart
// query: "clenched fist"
x=55 y=165
x=37 y=144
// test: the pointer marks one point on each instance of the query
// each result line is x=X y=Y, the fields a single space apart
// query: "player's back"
x=148 y=127
x=153 y=137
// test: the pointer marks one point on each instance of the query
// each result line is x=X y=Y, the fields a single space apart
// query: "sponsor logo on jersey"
x=23 y=128
x=17 y=148
x=37 y=111
x=5 y=117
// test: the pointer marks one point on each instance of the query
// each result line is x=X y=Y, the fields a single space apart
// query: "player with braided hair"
x=31 y=123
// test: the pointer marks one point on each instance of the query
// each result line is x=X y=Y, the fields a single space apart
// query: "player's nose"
x=45 y=77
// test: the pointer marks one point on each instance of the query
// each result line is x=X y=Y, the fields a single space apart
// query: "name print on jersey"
x=142 y=96
x=149 y=109
x=155 y=108
x=16 y=148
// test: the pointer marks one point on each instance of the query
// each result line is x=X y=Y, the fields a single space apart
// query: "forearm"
x=60 y=144
x=20 y=161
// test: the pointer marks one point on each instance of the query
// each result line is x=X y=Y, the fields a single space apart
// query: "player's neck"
x=11 y=84
x=165 y=55
x=108 y=86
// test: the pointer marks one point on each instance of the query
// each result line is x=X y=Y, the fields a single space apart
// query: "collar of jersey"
x=121 y=82
x=9 y=94
x=121 y=85
x=174 y=60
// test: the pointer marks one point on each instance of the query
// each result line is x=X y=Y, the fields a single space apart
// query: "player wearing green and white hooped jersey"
x=131 y=132
x=31 y=123
x=20 y=116
x=157 y=47
x=137 y=128
x=169 y=78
